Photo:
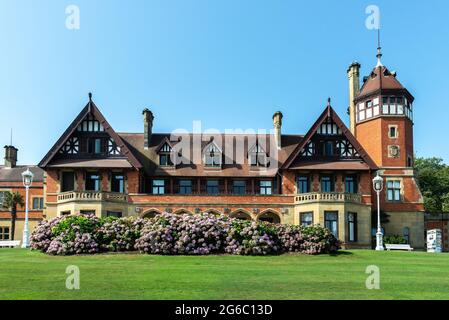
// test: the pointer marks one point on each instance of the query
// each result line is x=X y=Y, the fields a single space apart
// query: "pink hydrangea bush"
x=312 y=239
x=252 y=238
x=67 y=235
x=198 y=234
x=42 y=235
x=119 y=234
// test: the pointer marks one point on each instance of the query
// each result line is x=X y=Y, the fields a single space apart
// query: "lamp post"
x=378 y=185
x=27 y=177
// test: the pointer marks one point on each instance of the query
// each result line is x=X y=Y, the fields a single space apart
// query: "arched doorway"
x=241 y=215
x=269 y=216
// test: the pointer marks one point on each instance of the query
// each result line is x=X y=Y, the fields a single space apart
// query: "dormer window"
x=165 y=155
x=212 y=156
x=257 y=156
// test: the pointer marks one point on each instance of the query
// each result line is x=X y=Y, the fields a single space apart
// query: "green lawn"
x=33 y=275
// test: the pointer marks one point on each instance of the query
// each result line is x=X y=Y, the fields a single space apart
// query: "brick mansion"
x=323 y=176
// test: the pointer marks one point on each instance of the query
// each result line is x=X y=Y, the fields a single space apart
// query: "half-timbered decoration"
x=322 y=177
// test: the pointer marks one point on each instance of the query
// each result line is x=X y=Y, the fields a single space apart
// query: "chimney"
x=147 y=127
x=277 y=123
x=354 y=89
x=10 y=156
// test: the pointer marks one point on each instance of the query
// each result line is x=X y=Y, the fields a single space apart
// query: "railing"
x=91 y=196
x=328 y=197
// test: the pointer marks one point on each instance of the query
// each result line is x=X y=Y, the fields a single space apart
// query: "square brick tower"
x=381 y=116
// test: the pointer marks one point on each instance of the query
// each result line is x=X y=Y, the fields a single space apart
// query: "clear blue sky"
x=228 y=63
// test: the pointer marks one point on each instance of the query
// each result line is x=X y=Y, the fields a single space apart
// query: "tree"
x=11 y=200
x=433 y=179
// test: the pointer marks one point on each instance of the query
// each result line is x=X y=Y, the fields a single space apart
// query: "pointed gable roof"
x=381 y=79
x=165 y=141
x=329 y=112
x=90 y=108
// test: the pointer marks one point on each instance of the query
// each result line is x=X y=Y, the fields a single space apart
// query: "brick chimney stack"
x=147 y=127
x=10 y=156
x=354 y=89
x=277 y=123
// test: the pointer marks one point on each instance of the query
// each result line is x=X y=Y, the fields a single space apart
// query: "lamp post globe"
x=378 y=185
x=27 y=178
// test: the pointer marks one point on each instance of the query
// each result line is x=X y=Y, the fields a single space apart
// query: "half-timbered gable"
x=330 y=141
x=89 y=137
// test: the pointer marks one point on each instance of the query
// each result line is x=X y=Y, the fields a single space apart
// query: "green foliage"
x=395 y=239
x=12 y=199
x=433 y=179
x=73 y=224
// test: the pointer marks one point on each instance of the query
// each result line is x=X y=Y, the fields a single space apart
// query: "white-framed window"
x=158 y=186
x=394 y=190
x=212 y=156
x=166 y=155
x=257 y=156
x=393 y=131
x=306 y=218
x=38 y=203
x=266 y=187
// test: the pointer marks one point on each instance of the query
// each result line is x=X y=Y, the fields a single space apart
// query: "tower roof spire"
x=379 y=50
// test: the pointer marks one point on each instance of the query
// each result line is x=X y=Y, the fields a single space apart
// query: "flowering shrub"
x=42 y=235
x=184 y=234
x=119 y=234
x=312 y=239
x=198 y=234
x=252 y=238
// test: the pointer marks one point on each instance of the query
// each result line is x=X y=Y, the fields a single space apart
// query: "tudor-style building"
x=322 y=177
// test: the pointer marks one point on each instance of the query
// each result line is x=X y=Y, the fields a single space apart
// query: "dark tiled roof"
x=15 y=174
x=331 y=165
x=381 y=79
x=149 y=157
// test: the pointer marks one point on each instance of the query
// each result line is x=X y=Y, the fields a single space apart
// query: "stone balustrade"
x=91 y=196
x=328 y=197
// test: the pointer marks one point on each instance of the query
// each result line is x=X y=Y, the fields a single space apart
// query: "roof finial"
x=90 y=96
x=379 y=50
x=329 y=101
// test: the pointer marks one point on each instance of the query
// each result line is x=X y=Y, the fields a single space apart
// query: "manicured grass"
x=404 y=275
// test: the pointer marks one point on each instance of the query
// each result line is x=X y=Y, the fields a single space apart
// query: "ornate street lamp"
x=27 y=177
x=378 y=185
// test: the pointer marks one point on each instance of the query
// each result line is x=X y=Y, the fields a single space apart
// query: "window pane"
x=212 y=187
x=158 y=186
x=306 y=218
x=118 y=183
x=185 y=186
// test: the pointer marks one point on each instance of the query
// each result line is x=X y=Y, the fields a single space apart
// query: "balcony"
x=328 y=197
x=91 y=196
